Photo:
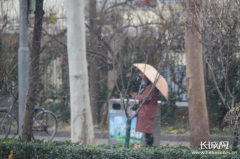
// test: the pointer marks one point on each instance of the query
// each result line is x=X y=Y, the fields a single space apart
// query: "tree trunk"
x=105 y=111
x=198 y=117
x=94 y=64
x=210 y=121
x=81 y=117
x=33 y=73
x=128 y=132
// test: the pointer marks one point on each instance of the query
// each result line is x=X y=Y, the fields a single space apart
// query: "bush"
x=67 y=150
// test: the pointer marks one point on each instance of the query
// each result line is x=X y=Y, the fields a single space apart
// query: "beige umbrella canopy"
x=152 y=74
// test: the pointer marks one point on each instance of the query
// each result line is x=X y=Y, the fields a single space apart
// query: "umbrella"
x=152 y=74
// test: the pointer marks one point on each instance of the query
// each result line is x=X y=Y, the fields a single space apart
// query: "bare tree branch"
x=175 y=80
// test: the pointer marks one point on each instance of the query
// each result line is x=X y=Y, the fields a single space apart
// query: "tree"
x=33 y=73
x=81 y=117
x=198 y=118
x=221 y=45
x=94 y=64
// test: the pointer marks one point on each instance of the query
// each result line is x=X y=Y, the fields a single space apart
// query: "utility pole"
x=81 y=116
x=23 y=60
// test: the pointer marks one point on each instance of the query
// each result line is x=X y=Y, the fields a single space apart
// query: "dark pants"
x=149 y=139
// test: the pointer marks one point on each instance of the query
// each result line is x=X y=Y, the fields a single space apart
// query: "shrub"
x=67 y=150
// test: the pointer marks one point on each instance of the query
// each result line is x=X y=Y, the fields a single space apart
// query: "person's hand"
x=133 y=94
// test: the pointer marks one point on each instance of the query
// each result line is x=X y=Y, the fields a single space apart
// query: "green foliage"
x=169 y=108
x=8 y=61
x=103 y=93
x=68 y=150
x=233 y=84
x=59 y=104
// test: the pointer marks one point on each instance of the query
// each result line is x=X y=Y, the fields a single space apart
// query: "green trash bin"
x=117 y=123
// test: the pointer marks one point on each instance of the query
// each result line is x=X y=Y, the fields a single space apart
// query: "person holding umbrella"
x=147 y=114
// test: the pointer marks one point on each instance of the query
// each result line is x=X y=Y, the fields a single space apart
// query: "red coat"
x=146 y=116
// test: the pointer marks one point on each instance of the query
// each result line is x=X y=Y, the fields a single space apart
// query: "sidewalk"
x=171 y=139
x=101 y=137
x=164 y=137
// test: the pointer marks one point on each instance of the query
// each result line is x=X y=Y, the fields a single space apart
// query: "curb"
x=97 y=134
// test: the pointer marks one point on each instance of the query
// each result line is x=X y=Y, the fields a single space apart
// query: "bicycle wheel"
x=44 y=126
x=5 y=124
x=14 y=128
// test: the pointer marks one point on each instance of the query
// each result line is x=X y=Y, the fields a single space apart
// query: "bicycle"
x=44 y=121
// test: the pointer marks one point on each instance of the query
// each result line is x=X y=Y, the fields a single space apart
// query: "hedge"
x=67 y=150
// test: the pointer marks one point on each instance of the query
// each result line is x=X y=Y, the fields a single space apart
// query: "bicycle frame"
x=36 y=128
x=3 y=121
x=12 y=117
x=41 y=124
x=9 y=113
